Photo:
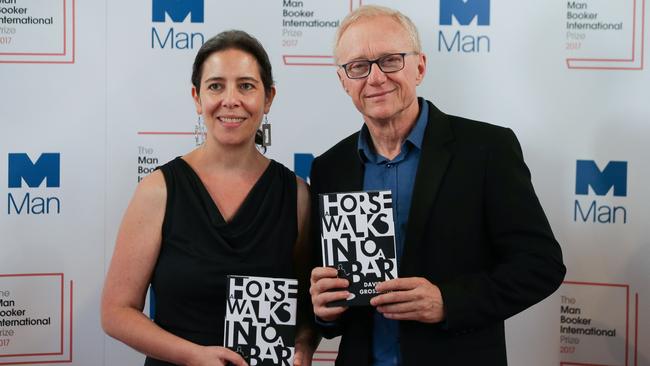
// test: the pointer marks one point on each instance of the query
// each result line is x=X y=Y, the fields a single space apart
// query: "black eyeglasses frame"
x=377 y=62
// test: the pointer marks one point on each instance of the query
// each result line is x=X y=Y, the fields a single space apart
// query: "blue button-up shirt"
x=398 y=176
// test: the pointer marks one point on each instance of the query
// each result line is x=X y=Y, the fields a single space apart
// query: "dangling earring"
x=199 y=131
x=266 y=132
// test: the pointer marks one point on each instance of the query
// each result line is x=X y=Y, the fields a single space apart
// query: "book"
x=260 y=321
x=358 y=239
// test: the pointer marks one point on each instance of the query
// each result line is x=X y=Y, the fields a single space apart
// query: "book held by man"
x=260 y=320
x=358 y=239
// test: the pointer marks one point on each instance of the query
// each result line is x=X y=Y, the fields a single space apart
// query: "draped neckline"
x=216 y=217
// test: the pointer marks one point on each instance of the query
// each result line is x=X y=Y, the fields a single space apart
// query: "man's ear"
x=422 y=67
x=342 y=79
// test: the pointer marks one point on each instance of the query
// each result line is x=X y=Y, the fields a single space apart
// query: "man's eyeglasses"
x=389 y=63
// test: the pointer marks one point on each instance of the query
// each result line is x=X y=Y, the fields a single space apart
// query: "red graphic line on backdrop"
x=642 y=33
x=583 y=364
x=325 y=354
x=627 y=319
x=55 y=62
x=633 y=43
x=627 y=323
x=568 y=60
x=164 y=133
x=596 y=284
x=65 y=24
x=69 y=360
x=352 y=6
x=288 y=62
x=286 y=58
x=636 y=328
x=62 y=317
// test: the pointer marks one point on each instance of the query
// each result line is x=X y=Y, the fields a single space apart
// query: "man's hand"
x=323 y=280
x=412 y=298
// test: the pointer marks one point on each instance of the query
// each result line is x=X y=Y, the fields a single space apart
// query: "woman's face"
x=232 y=99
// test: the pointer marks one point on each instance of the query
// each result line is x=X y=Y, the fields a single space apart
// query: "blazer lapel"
x=434 y=160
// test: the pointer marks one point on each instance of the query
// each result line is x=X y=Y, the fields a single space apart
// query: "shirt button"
x=389 y=165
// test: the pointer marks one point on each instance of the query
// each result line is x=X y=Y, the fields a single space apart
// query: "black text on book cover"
x=261 y=319
x=358 y=239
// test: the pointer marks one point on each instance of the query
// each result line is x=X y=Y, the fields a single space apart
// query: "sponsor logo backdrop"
x=93 y=97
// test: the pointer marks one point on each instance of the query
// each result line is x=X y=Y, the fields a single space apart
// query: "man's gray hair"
x=373 y=11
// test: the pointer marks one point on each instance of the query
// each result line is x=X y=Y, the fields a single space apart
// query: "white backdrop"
x=100 y=92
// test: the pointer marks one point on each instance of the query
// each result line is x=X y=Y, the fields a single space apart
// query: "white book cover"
x=358 y=239
x=261 y=319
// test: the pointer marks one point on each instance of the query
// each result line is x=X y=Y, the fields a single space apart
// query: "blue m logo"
x=302 y=165
x=465 y=11
x=21 y=168
x=178 y=10
x=614 y=175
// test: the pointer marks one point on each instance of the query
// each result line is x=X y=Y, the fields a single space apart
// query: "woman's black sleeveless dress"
x=199 y=248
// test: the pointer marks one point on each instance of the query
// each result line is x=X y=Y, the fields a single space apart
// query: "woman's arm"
x=136 y=252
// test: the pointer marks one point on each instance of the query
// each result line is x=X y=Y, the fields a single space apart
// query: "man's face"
x=380 y=96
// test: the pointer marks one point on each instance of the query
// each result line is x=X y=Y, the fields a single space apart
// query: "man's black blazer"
x=476 y=230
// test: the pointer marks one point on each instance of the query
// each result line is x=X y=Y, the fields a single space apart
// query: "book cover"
x=358 y=239
x=260 y=320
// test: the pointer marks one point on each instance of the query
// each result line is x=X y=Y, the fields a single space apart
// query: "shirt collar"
x=364 y=143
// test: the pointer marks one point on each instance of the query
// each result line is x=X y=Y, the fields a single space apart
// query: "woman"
x=221 y=209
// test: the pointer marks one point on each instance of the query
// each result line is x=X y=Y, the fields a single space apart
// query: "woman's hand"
x=216 y=356
x=304 y=353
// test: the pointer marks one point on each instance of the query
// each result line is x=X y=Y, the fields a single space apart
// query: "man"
x=474 y=246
